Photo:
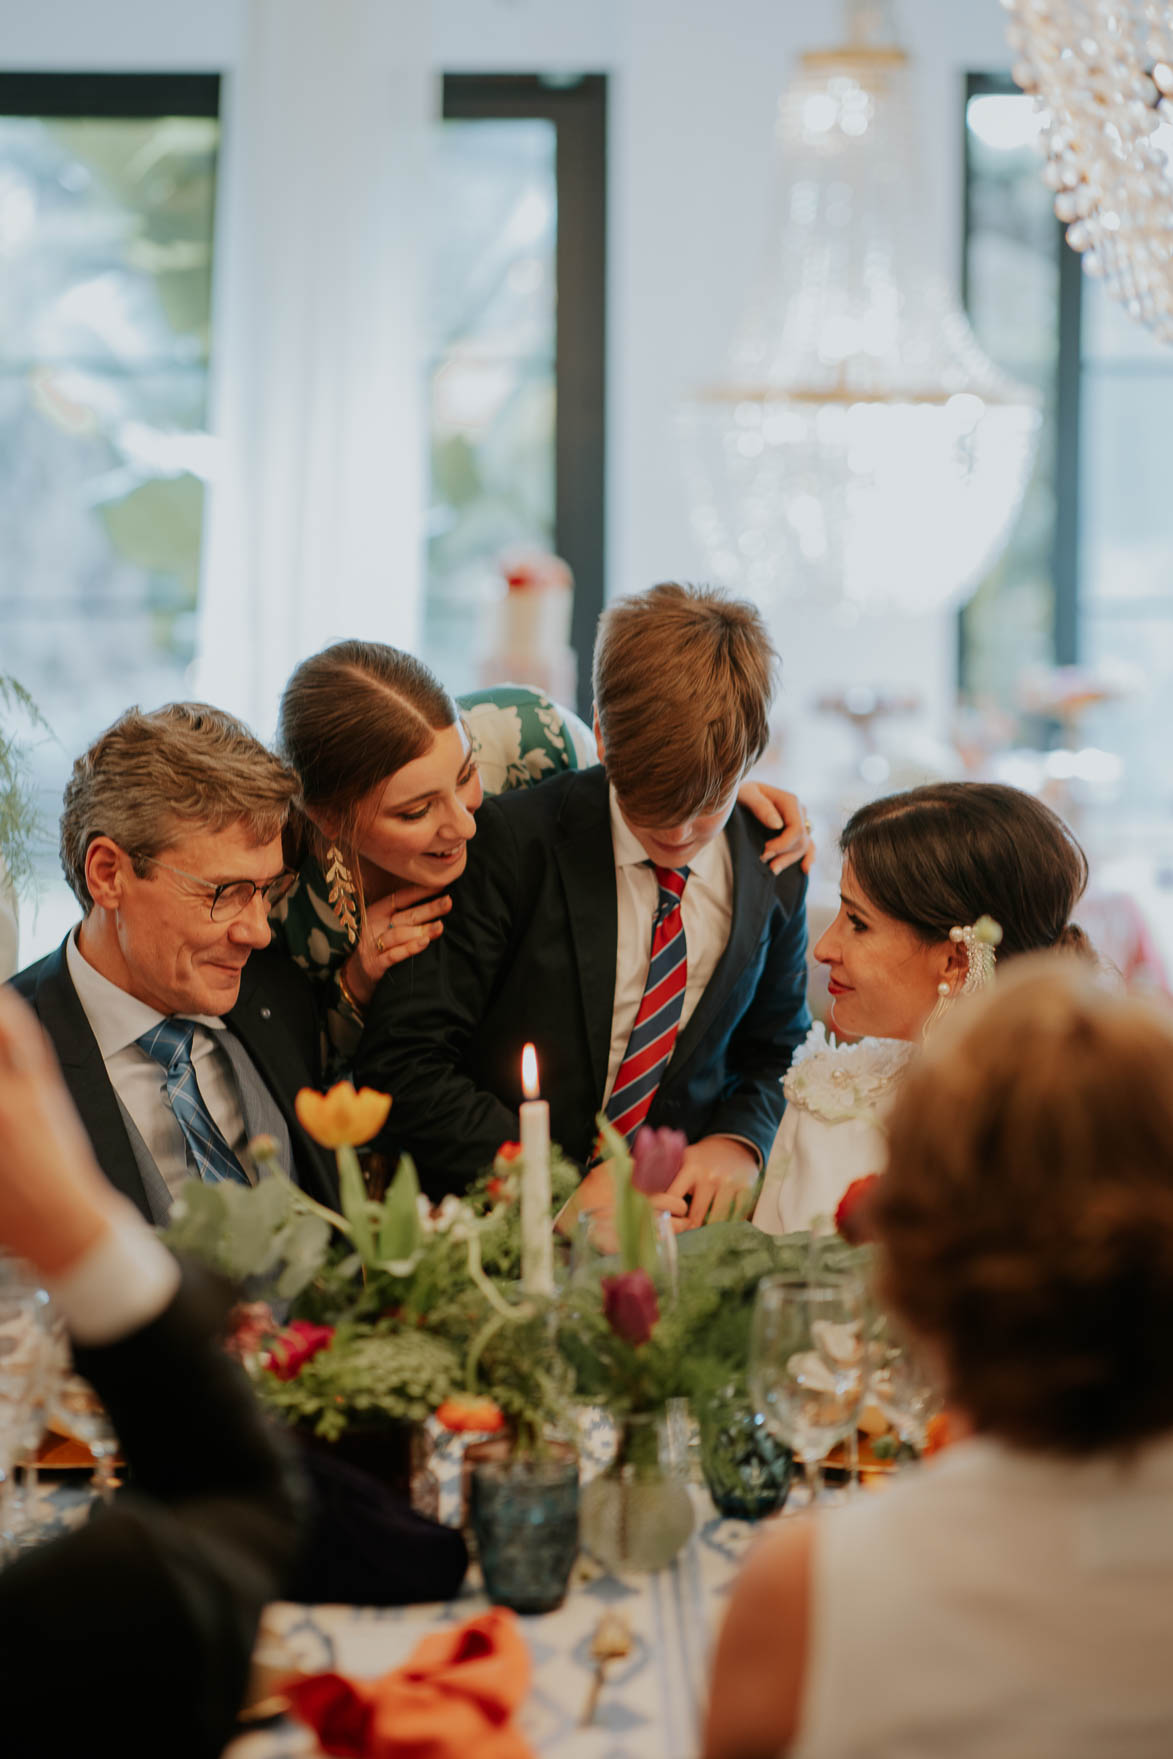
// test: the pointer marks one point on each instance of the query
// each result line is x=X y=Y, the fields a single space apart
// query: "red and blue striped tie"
x=654 y=1034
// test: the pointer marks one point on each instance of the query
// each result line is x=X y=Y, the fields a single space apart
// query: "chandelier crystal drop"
x=862 y=449
x=1102 y=72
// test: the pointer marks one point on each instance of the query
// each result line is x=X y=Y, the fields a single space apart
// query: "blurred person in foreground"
x=134 y=1633
x=1011 y=1597
x=182 y=1034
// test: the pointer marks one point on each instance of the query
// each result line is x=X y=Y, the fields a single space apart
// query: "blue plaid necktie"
x=169 y=1043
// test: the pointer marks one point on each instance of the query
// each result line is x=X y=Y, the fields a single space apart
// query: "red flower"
x=656 y=1157
x=301 y=1340
x=630 y=1305
x=480 y=1416
x=509 y=1151
x=853 y=1218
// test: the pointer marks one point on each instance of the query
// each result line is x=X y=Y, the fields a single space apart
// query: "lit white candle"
x=537 y=1239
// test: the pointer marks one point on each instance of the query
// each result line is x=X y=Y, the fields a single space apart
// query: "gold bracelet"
x=348 y=995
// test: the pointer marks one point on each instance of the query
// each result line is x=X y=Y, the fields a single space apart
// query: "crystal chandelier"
x=1103 y=72
x=862 y=450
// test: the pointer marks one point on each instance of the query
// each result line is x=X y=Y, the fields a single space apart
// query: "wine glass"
x=29 y=1362
x=903 y=1386
x=808 y=1364
x=79 y=1410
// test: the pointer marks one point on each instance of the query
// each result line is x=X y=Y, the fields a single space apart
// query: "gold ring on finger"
x=807 y=822
x=379 y=947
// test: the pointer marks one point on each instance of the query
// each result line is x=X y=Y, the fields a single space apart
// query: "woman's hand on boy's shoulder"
x=784 y=814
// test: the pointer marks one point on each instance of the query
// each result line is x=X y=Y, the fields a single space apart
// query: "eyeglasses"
x=232 y=897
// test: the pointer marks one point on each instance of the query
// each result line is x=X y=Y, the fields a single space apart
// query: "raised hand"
x=395 y=928
x=54 y=1202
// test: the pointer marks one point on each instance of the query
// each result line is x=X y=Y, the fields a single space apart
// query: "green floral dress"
x=519 y=736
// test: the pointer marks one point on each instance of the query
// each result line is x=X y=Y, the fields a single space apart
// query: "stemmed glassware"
x=903 y=1385
x=79 y=1410
x=808 y=1364
x=30 y=1366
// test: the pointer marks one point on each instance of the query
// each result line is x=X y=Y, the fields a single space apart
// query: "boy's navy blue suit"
x=528 y=953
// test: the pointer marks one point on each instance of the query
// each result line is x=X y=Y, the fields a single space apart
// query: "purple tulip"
x=656 y=1157
x=630 y=1305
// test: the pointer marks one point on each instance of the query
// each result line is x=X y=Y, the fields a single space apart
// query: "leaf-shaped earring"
x=342 y=892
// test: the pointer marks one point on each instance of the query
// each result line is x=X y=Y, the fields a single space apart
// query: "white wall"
x=693 y=90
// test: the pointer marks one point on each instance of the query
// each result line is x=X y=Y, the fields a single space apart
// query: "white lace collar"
x=836 y=1081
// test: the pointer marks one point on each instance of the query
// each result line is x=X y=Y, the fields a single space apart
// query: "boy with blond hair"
x=624 y=920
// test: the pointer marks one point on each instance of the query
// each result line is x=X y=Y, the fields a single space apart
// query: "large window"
x=107 y=195
x=1087 y=579
x=517 y=364
x=107 y=187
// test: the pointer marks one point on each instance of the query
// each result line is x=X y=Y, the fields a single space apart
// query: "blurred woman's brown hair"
x=940 y=856
x=1026 y=1216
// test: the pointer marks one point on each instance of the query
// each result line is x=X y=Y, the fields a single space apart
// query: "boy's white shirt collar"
x=630 y=852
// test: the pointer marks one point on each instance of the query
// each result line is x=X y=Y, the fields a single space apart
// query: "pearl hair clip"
x=979 y=941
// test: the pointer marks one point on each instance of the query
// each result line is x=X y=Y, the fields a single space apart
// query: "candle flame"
x=529 y=1072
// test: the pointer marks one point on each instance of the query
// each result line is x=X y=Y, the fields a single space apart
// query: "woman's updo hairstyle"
x=350 y=717
x=941 y=856
x=1026 y=1214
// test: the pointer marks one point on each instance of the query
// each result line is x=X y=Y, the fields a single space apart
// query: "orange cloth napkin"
x=455 y=1696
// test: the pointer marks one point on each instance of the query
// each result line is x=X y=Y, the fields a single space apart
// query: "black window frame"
x=109 y=95
x=577 y=107
x=1065 y=552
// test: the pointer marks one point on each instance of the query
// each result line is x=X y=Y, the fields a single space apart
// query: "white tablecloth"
x=653 y=1699
x=651 y=1705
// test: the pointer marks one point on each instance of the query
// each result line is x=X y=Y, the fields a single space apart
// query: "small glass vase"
x=747 y=1470
x=524 y=1515
x=637 y=1514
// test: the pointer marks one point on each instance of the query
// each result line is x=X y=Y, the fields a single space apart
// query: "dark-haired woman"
x=392 y=773
x=1011 y=1599
x=926 y=876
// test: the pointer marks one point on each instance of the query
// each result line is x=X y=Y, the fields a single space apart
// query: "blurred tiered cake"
x=529 y=640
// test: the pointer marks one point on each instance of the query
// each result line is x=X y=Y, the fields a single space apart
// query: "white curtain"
x=315 y=518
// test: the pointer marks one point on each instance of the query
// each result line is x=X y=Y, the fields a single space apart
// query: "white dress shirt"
x=117 y=1019
x=706 y=909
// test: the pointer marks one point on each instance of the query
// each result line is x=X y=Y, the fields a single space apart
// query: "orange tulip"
x=477 y=1415
x=342 y=1118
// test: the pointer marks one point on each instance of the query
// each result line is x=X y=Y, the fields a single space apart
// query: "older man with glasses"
x=181 y=1033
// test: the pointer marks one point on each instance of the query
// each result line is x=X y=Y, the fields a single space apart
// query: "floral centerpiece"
x=383 y=1312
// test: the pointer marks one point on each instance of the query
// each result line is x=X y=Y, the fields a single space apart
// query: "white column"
x=315 y=520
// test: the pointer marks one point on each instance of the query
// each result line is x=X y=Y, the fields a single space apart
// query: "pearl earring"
x=940 y=1008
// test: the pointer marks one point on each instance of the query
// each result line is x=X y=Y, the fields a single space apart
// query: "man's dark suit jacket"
x=528 y=953
x=134 y=1634
x=275 y=1019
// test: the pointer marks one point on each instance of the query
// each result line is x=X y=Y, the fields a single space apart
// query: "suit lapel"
x=753 y=890
x=586 y=864
x=264 y=1038
x=64 y=1019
